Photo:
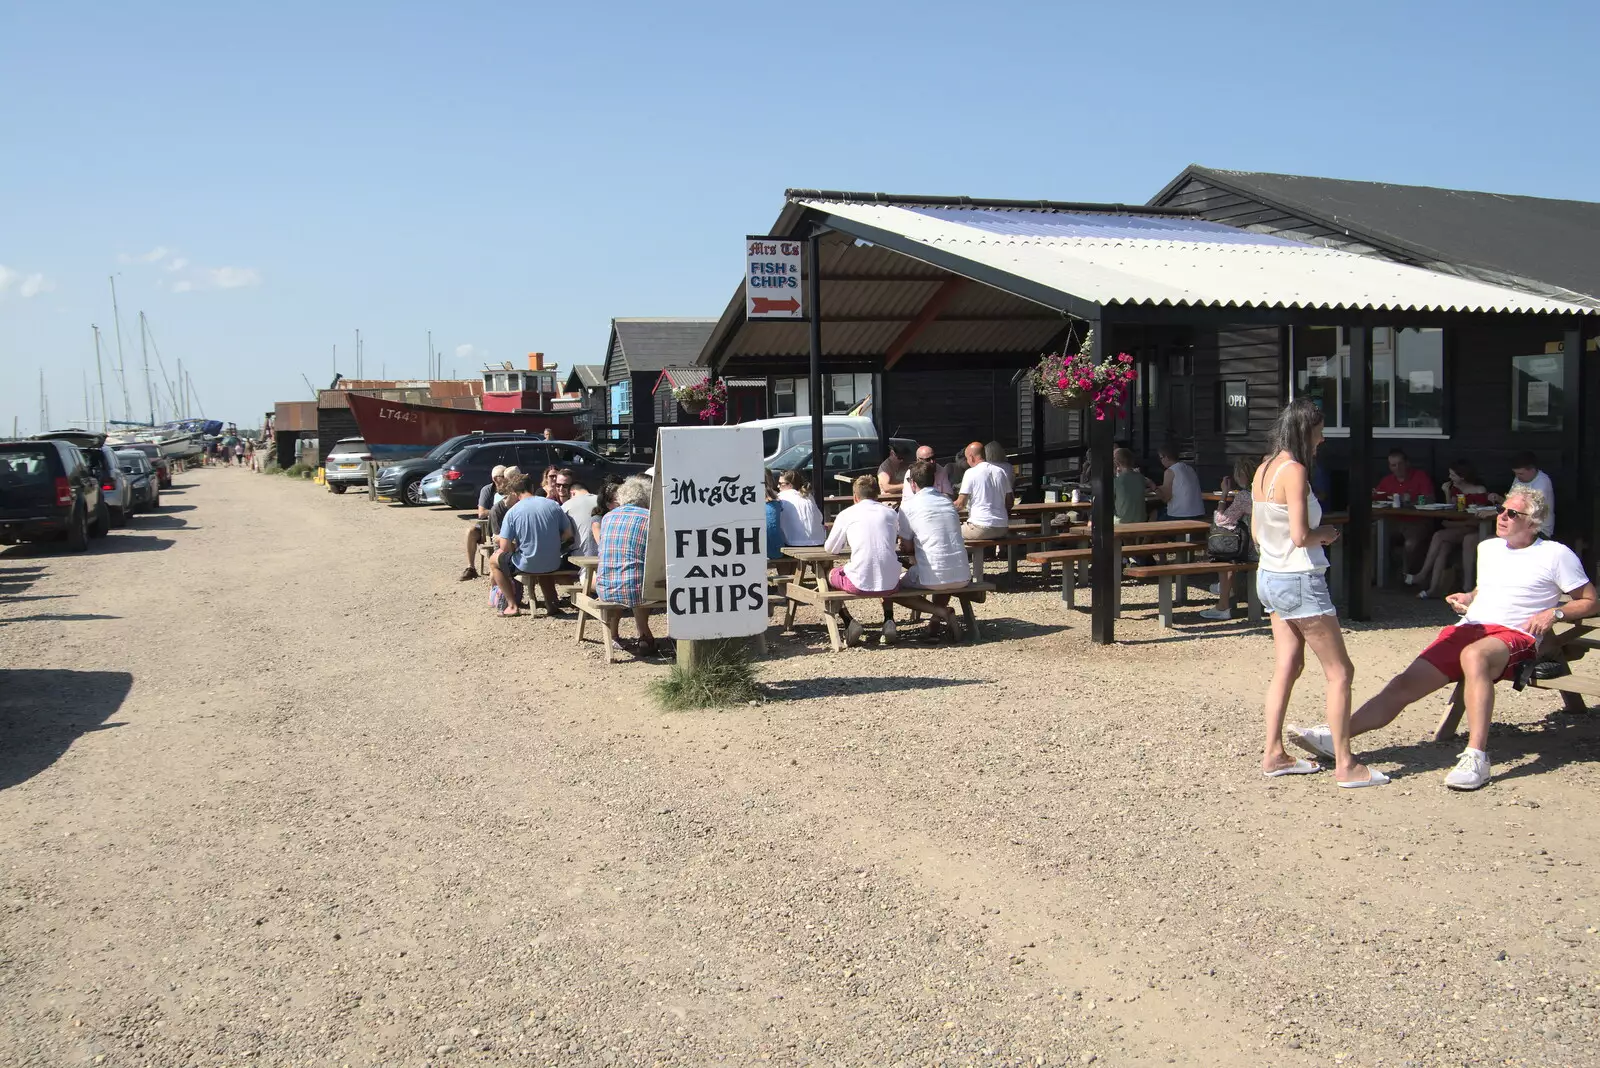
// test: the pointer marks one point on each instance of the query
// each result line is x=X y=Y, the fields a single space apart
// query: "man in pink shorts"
x=1521 y=579
x=870 y=530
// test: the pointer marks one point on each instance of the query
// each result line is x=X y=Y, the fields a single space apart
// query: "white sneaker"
x=1317 y=741
x=1216 y=589
x=852 y=633
x=890 y=632
x=1470 y=772
x=1411 y=580
x=1216 y=613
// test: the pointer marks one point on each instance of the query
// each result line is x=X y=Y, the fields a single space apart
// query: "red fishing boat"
x=395 y=429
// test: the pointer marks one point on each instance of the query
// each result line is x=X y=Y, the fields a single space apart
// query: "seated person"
x=930 y=528
x=619 y=576
x=985 y=496
x=775 y=540
x=995 y=453
x=868 y=528
x=530 y=543
x=486 y=498
x=579 y=504
x=1521 y=578
x=892 y=472
x=1463 y=482
x=1233 y=513
x=1180 y=486
x=802 y=519
x=1127 y=488
x=941 y=478
x=1410 y=483
x=1526 y=475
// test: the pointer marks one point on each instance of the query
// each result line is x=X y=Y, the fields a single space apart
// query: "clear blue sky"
x=267 y=179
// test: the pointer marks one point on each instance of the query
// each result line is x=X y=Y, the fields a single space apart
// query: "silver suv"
x=347 y=465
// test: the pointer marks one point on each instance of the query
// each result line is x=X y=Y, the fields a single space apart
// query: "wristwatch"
x=1561 y=617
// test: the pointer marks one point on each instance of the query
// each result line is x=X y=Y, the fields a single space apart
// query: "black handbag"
x=1227 y=545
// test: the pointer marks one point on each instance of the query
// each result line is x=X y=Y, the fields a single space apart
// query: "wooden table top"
x=584 y=561
x=1169 y=526
x=811 y=552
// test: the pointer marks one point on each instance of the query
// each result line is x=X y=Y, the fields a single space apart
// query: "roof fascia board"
x=906 y=200
x=1188 y=315
x=1173 y=186
x=1016 y=285
x=611 y=346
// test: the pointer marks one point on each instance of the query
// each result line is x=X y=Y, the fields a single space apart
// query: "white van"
x=781 y=433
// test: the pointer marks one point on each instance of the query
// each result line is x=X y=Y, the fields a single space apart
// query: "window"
x=837 y=458
x=789 y=397
x=1407 y=377
x=1536 y=394
x=846 y=391
x=621 y=400
x=1233 y=408
x=533 y=459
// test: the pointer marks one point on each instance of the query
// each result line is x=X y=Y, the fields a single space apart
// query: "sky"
x=264 y=180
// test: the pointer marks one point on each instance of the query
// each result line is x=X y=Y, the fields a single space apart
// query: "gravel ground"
x=275 y=789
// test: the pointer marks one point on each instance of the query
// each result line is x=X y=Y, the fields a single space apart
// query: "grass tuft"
x=722 y=677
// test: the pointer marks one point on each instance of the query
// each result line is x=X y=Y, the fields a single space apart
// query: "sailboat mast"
x=44 y=405
x=122 y=370
x=144 y=347
x=100 y=373
x=88 y=424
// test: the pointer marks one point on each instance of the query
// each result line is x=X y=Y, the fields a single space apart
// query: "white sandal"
x=1299 y=767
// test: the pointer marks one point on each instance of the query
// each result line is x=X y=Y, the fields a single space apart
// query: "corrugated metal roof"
x=1113 y=259
x=681 y=377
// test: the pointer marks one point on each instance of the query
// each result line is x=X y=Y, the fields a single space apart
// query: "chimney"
x=536 y=361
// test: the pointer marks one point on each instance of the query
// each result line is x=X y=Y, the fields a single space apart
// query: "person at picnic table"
x=1521 y=579
x=1127 y=488
x=892 y=472
x=995 y=453
x=1463 y=482
x=941 y=478
x=1411 y=484
x=931 y=530
x=486 y=498
x=869 y=530
x=775 y=542
x=802 y=519
x=985 y=496
x=1179 y=489
x=579 y=504
x=547 y=484
x=1525 y=474
x=529 y=543
x=1291 y=580
x=1232 y=512
x=619 y=575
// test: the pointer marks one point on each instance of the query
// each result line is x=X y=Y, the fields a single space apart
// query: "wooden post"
x=1038 y=447
x=1106 y=575
x=1359 y=528
x=819 y=489
x=1571 y=472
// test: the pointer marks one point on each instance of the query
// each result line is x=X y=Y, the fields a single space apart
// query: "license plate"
x=348 y=467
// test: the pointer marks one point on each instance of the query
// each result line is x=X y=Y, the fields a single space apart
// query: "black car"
x=157 y=460
x=469 y=470
x=402 y=479
x=48 y=491
x=842 y=456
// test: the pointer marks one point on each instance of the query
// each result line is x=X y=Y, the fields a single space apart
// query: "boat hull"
x=394 y=430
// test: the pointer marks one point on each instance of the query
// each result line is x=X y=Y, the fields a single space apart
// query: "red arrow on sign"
x=766 y=305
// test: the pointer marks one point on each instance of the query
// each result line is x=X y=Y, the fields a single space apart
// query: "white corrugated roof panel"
x=1114 y=259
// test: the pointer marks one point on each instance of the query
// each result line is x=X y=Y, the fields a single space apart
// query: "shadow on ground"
x=796 y=689
x=18 y=580
x=42 y=712
x=159 y=522
x=132 y=543
x=1559 y=739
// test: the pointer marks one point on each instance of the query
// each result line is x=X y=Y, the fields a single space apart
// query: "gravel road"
x=275 y=789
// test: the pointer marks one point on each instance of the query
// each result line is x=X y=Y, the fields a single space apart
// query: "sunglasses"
x=563 y=485
x=1512 y=512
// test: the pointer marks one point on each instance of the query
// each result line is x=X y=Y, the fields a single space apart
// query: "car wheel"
x=78 y=532
x=411 y=492
x=337 y=487
x=102 y=521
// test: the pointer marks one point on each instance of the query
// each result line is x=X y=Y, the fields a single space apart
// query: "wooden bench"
x=829 y=601
x=1181 y=572
x=605 y=613
x=566 y=581
x=975 y=549
x=1569 y=646
x=1069 y=559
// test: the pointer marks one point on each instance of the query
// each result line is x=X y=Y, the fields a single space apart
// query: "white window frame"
x=1382 y=345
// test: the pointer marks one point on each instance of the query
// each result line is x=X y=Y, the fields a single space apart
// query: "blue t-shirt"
x=535 y=525
x=774 y=530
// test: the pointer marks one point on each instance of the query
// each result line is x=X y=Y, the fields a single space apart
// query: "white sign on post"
x=772 y=278
x=713 y=497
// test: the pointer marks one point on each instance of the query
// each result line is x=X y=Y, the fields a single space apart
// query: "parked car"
x=847 y=456
x=103 y=462
x=346 y=465
x=162 y=465
x=431 y=488
x=468 y=470
x=787 y=431
x=48 y=491
x=144 y=486
x=402 y=480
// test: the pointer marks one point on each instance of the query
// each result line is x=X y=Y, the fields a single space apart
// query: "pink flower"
x=1125 y=358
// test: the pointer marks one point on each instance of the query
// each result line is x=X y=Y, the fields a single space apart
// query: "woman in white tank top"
x=1291 y=579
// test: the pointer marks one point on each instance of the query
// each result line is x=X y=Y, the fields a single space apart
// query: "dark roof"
x=585 y=376
x=1514 y=240
x=655 y=344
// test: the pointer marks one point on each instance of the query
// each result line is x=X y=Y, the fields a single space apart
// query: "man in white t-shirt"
x=931 y=529
x=986 y=496
x=869 y=530
x=1521 y=578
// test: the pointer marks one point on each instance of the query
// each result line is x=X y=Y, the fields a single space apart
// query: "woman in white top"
x=802 y=519
x=1291 y=579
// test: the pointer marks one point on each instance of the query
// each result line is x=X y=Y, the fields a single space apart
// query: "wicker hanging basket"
x=694 y=405
x=1061 y=398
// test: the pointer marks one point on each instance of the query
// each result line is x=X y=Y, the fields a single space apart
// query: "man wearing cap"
x=487 y=497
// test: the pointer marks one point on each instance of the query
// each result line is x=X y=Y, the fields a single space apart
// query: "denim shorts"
x=1294 y=594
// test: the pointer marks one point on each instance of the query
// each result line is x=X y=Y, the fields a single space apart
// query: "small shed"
x=747 y=397
x=638 y=350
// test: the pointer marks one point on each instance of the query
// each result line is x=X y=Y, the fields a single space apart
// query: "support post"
x=814 y=315
x=1038 y=446
x=1359 y=529
x=1574 y=477
x=1105 y=573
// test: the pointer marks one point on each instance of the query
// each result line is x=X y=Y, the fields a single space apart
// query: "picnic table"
x=1122 y=532
x=1383 y=515
x=818 y=561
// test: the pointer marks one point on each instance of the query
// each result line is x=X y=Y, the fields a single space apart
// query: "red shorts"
x=840 y=581
x=1445 y=651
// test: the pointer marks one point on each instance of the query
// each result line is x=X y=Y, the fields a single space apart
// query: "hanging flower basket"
x=1073 y=380
x=707 y=399
x=693 y=405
